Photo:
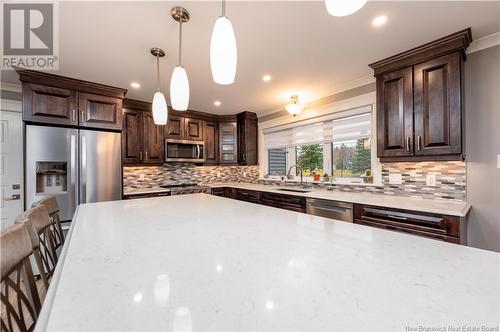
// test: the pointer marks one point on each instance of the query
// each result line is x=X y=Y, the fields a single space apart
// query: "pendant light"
x=160 y=109
x=223 y=52
x=179 y=84
x=294 y=108
x=343 y=7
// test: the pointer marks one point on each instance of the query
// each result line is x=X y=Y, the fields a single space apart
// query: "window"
x=277 y=161
x=310 y=158
x=338 y=148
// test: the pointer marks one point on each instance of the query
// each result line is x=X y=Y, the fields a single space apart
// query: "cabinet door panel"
x=45 y=104
x=194 y=129
x=131 y=137
x=228 y=143
x=153 y=140
x=211 y=134
x=395 y=113
x=100 y=111
x=175 y=127
x=438 y=129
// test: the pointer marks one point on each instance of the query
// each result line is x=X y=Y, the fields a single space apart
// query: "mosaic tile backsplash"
x=450 y=178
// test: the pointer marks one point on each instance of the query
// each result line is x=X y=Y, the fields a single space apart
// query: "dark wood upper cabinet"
x=419 y=101
x=175 y=127
x=228 y=147
x=180 y=127
x=395 y=113
x=46 y=104
x=101 y=112
x=247 y=138
x=59 y=100
x=131 y=136
x=211 y=133
x=142 y=139
x=193 y=129
x=152 y=140
x=438 y=110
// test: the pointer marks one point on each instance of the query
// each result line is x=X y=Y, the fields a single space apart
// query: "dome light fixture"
x=343 y=7
x=160 y=109
x=179 y=83
x=223 y=51
x=294 y=107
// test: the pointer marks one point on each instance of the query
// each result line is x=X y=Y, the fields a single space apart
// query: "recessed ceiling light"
x=217 y=103
x=135 y=85
x=267 y=78
x=379 y=20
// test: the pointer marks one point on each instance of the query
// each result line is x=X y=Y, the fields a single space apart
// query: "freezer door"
x=100 y=166
x=52 y=167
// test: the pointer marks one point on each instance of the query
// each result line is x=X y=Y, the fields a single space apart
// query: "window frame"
x=328 y=149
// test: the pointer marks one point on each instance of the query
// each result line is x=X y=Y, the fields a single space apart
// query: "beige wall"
x=482 y=110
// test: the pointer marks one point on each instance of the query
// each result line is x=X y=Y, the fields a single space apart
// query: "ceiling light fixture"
x=217 y=103
x=160 y=109
x=267 y=78
x=135 y=85
x=379 y=20
x=179 y=83
x=223 y=52
x=343 y=7
x=294 y=107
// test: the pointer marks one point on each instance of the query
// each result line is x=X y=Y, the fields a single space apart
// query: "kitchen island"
x=199 y=262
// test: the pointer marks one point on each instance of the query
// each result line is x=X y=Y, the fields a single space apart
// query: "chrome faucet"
x=289 y=174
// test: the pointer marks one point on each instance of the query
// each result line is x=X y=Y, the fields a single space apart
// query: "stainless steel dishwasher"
x=330 y=209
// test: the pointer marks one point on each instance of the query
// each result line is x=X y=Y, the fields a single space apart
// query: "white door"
x=11 y=162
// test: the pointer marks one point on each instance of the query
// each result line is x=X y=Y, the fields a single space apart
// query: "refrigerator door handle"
x=73 y=167
x=83 y=169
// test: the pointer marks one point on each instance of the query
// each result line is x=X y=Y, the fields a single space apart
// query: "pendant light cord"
x=223 y=7
x=180 y=43
x=158 y=70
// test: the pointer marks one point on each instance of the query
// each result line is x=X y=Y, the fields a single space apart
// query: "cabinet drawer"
x=287 y=202
x=419 y=223
x=247 y=195
x=218 y=192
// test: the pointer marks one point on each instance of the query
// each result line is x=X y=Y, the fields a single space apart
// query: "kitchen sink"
x=295 y=190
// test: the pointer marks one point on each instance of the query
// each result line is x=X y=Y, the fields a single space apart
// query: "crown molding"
x=484 y=43
x=10 y=87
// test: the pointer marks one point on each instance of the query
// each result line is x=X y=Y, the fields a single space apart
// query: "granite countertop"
x=201 y=262
x=447 y=207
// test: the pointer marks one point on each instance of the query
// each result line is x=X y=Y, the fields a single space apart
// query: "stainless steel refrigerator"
x=75 y=165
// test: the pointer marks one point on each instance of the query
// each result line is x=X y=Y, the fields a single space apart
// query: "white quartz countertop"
x=201 y=262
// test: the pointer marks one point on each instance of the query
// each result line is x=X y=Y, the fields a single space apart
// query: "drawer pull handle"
x=397 y=217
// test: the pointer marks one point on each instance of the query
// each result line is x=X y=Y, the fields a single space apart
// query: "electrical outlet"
x=142 y=176
x=218 y=174
x=431 y=180
x=395 y=178
x=244 y=174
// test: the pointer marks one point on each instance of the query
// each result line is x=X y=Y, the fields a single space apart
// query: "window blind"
x=342 y=129
x=352 y=128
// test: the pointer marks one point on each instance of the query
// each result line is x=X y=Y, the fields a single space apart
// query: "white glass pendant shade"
x=179 y=89
x=160 y=110
x=294 y=107
x=343 y=7
x=223 y=52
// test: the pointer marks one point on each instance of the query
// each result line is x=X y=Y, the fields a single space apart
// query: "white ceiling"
x=298 y=43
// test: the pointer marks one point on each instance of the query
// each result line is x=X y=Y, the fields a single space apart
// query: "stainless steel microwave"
x=178 y=150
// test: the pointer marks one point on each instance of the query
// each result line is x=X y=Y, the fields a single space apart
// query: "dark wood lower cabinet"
x=436 y=226
x=287 y=202
x=431 y=225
